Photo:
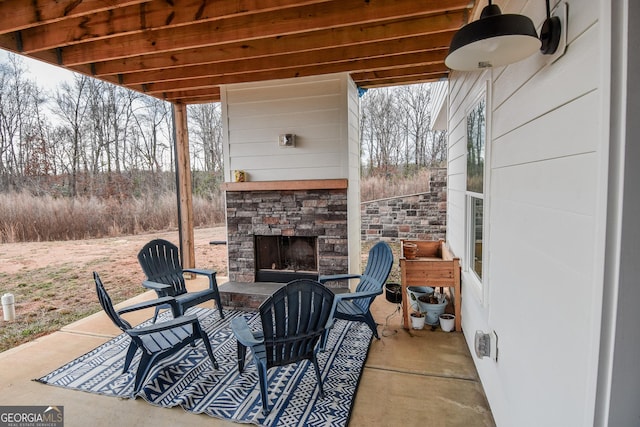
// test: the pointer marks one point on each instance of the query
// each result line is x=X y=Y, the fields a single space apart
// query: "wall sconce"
x=287 y=140
x=495 y=40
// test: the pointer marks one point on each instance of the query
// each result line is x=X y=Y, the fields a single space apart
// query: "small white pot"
x=417 y=322
x=447 y=322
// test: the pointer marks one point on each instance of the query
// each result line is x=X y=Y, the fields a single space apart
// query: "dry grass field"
x=53 y=285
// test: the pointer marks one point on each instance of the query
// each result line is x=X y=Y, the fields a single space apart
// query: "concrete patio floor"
x=411 y=378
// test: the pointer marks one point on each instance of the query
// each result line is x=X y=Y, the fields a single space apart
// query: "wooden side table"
x=434 y=266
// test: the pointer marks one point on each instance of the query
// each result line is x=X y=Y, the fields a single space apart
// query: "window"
x=476 y=134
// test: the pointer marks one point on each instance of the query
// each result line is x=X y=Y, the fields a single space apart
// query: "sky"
x=46 y=76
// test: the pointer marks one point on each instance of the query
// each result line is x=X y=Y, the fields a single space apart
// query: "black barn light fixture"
x=495 y=40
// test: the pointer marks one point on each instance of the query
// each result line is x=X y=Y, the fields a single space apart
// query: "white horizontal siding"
x=257 y=114
x=320 y=136
x=353 y=211
x=290 y=89
x=567 y=132
x=318 y=160
x=544 y=240
x=564 y=184
x=314 y=109
x=541 y=304
x=574 y=74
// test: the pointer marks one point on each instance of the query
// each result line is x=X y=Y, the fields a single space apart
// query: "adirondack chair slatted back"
x=107 y=305
x=293 y=321
x=376 y=272
x=160 y=261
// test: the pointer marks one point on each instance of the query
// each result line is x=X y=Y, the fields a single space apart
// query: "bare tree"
x=71 y=108
x=396 y=128
x=206 y=136
x=23 y=150
x=415 y=103
x=154 y=127
x=381 y=136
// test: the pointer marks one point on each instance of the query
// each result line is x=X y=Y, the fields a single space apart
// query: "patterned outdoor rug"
x=189 y=380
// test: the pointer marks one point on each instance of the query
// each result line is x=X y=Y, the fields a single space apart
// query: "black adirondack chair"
x=294 y=319
x=160 y=261
x=356 y=306
x=157 y=341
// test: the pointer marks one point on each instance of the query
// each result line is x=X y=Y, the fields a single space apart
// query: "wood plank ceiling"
x=183 y=50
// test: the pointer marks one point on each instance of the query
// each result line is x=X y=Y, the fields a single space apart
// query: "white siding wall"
x=439 y=92
x=314 y=109
x=546 y=207
x=353 y=138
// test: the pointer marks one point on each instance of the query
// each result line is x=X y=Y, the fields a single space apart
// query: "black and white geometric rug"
x=189 y=380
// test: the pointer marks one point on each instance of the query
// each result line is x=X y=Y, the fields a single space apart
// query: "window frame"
x=478 y=284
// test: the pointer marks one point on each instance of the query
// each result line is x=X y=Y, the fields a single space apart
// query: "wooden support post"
x=183 y=186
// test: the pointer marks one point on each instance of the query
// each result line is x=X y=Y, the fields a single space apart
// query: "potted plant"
x=409 y=250
x=393 y=292
x=433 y=305
x=417 y=319
x=417 y=316
x=415 y=293
x=447 y=322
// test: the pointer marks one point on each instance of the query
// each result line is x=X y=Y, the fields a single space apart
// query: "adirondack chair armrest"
x=149 y=304
x=158 y=287
x=211 y=274
x=163 y=326
x=356 y=295
x=243 y=334
x=332 y=277
x=200 y=271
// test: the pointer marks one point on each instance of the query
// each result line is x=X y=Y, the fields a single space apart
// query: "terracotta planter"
x=409 y=250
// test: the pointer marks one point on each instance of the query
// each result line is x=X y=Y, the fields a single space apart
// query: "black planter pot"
x=393 y=292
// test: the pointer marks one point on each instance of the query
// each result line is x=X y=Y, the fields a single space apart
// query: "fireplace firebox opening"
x=286 y=258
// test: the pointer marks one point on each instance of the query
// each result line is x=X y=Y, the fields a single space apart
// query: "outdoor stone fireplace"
x=285 y=258
x=280 y=231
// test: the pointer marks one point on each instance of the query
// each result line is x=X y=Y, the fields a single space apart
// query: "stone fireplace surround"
x=289 y=208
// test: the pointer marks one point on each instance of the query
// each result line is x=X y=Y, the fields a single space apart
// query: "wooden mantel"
x=305 y=184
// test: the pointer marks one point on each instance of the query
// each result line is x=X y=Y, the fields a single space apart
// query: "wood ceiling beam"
x=438 y=26
x=319 y=57
x=16 y=15
x=402 y=80
x=197 y=96
x=135 y=19
x=247 y=27
x=370 y=79
x=183 y=50
x=400 y=74
x=399 y=60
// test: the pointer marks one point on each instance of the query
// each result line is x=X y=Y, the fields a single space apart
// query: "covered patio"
x=411 y=378
x=184 y=52
x=557 y=215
